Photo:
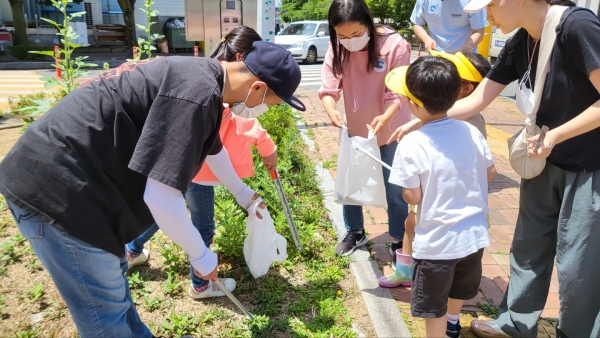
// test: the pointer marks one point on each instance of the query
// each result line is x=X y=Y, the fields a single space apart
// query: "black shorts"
x=434 y=281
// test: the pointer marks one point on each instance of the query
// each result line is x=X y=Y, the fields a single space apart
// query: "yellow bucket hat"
x=466 y=70
x=395 y=80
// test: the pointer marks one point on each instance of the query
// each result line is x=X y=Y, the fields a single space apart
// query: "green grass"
x=488 y=309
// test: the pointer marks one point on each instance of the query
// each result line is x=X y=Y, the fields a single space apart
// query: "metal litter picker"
x=368 y=153
x=233 y=299
x=286 y=209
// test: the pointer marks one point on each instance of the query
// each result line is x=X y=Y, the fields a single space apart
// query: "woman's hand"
x=337 y=118
x=379 y=123
x=405 y=129
x=544 y=149
x=270 y=161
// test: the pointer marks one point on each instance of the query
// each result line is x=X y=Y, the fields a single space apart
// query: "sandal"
x=487 y=329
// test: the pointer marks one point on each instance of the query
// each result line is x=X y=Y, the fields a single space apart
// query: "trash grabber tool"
x=233 y=299
x=368 y=153
x=286 y=208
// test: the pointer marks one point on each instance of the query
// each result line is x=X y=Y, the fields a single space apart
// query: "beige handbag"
x=522 y=164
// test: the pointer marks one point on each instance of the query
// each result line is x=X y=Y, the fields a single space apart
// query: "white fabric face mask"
x=356 y=44
x=524 y=96
x=242 y=110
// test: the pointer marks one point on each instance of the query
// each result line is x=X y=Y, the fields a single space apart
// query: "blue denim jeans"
x=397 y=208
x=90 y=280
x=201 y=202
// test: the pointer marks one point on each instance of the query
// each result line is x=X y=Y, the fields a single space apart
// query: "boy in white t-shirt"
x=444 y=167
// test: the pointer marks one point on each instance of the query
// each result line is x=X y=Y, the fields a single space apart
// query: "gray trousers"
x=559 y=214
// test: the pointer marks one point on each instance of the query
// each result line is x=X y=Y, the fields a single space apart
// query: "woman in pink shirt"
x=237 y=134
x=360 y=55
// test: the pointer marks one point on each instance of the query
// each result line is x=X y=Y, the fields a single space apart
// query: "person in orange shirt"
x=239 y=129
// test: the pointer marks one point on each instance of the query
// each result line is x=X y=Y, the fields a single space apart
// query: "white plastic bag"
x=359 y=179
x=263 y=245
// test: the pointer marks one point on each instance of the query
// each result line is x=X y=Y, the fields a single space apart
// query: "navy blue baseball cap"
x=276 y=67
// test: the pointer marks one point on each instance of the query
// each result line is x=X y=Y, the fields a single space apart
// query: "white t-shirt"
x=448 y=159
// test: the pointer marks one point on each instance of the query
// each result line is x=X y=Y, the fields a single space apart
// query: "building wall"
x=165 y=8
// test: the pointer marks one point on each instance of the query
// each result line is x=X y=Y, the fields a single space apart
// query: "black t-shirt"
x=568 y=90
x=85 y=163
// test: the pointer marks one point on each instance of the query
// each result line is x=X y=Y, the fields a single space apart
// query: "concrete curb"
x=385 y=315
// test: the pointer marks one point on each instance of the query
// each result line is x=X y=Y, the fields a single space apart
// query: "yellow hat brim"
x=395 y=80
x=466 y=70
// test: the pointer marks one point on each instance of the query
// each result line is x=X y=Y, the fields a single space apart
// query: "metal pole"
x=233 y=299
x=286 y=209
x=368 y=153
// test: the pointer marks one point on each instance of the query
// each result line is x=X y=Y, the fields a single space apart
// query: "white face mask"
x=242 y=110
x=356 y=44
x=524 y=96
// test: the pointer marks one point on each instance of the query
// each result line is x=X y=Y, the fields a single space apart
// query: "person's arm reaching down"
x=221 y=166
x=168 y=208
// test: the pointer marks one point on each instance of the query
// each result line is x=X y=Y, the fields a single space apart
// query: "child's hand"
x=404 y=130
x=337 y=118
x=270 y=161
x=261 y=205
x=211 y=276
x=378 y=123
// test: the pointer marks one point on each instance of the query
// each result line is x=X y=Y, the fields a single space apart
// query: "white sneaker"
x=212 y=290
x=140 y=259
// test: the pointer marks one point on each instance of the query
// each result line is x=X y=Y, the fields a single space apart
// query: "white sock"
x=453 y=319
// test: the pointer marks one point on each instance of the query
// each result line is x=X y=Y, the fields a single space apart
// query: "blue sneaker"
x=453 y=330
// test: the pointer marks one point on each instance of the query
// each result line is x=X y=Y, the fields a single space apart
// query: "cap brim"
x=396 y=79
x=295 y=103
x=466 y=70
x=475 y=6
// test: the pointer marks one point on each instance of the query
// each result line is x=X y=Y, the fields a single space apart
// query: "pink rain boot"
x=402 y=276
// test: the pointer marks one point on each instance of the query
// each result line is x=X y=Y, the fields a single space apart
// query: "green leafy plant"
x=179 y=325
x=9 y=253
x=145 y=44
x=34 y=293
x=138 y=286
x=152 y=303
x=171 y=287
x=31 y=332
x=71 y=67
x=488 y=309
x=175 y=257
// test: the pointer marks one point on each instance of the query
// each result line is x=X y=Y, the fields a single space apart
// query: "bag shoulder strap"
x=561 y=26
x=553 y=18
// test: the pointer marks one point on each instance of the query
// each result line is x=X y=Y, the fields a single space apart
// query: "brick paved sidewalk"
x=503 y=120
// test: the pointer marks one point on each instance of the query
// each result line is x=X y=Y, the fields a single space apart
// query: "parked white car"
x=307 y=41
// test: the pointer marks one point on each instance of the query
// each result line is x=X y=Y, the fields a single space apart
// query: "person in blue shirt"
x=451 y=29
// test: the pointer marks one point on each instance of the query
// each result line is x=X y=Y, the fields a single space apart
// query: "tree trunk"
x=128 y=8
x=19 y=22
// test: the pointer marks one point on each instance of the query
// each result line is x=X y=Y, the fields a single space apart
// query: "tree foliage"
x=296 y=10
x=392 y=12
